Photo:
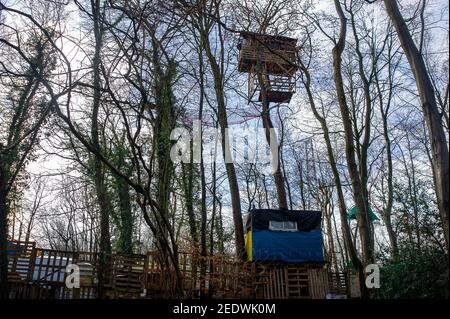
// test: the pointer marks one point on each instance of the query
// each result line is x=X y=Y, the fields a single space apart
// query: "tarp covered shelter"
x=292 y=236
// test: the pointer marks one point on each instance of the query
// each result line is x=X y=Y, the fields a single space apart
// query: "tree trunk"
x=98 y=167
x=325 y=207
x=229 y=167
x=126 y=216
x=357 y=185
x=268 y=127
x=364 y=148
x=431 y=113
x=203 y=213
x=165 y=123
x=351 y=248
x=384 y=108
x=188 y=176
x=3 y=236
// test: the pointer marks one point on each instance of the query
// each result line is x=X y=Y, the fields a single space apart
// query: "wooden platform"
x=276 y=64
x=279 y=88
x=277 y=97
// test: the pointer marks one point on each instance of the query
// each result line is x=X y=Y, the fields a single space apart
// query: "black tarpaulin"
x=307 y=220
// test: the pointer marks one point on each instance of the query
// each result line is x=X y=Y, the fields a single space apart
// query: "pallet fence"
x=36 y=273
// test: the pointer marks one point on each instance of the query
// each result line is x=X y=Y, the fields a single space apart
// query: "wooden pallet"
x=318 y=280
x=338 y=283
x=21 y=256
x=129 y=275
x=286 y=282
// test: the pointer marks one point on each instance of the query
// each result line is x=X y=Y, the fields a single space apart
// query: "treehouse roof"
x=306 y=220
x=267 y=37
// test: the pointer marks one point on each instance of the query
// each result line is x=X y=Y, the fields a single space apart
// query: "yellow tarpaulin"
x=248 y=245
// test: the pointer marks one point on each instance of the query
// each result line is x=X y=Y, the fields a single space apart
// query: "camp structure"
x=275 y=57
x=288 y=246
x=290 y=236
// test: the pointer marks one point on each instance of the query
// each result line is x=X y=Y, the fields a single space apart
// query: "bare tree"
x=432 y=115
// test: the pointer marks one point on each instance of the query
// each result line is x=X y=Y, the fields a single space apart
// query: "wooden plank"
x=319 y=282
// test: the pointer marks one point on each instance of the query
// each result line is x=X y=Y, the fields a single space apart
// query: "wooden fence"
x=42 y=273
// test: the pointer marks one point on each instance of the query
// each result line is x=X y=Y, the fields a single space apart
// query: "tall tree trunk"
x=364 y=148
x=203 y=213
x=187 y=170
x=431 y=113
x=282 y=162
x=413 y=192
x=351 y=248
x=98 y=167
x=326 y=209
x=216 y=202
x=269 y=128
x=9 y=157
x=3 y=234
x=384 y=110
x=126 y=216
x=337 y=52
x=165 y=123
x=229 y=166
x=357 y=185
x=188 y=176
x=301 y=183
x=125 y=220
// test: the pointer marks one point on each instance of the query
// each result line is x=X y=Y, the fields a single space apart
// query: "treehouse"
x=286 y=236
x=275 y=58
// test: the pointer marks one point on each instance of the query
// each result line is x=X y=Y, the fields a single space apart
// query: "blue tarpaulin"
x=295 y=247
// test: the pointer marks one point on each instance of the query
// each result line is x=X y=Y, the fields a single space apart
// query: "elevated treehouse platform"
x=275 y=57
